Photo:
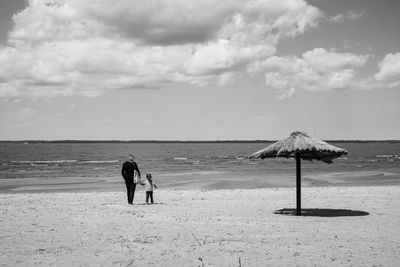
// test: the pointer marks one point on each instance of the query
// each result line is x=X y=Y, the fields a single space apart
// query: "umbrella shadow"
x=323 y=212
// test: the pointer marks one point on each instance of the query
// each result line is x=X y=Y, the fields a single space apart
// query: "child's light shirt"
x=149 y=185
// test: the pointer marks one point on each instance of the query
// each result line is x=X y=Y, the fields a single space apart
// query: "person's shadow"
x=323 y=212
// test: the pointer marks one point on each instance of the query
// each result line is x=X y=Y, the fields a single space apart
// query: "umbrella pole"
x=298 y=184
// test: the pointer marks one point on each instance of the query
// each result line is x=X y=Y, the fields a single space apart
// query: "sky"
x=199 y=70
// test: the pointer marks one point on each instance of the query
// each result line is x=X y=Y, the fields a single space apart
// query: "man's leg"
x=147 y=196
x=127 y=189
x=131 y=193
x=151 y=197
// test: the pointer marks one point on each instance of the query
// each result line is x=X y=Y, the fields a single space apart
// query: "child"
x=149 y=188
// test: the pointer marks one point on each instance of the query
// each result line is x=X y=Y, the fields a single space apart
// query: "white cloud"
x=348 y=15
x=316 y=70
x=223 y=55
x=161 y=22
x=326 y=70
x=389 y=67
x=64 y=47
x=228 y=78
x=330 y=61
x=287 y=94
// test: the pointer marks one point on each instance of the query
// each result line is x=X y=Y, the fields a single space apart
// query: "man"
x=128 y=171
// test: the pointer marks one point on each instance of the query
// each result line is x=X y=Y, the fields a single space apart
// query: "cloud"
x=228 y=78
x=322 y=70
x=348 y=15
x=154 y=22
x=287 y=94
x=158 y=22
x=389 y=68
x=224 y=55
x=316 y=70
x=66 y=47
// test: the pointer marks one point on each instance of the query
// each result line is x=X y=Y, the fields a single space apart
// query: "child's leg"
x=151 y=197
x=147 y=196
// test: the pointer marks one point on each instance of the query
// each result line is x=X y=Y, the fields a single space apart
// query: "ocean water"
x=63 y=160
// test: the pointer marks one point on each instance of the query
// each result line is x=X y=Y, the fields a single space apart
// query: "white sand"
x=100 y=229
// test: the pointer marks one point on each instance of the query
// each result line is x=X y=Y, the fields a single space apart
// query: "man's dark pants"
x=130 y=189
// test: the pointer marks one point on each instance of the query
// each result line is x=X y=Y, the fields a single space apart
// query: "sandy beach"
x=235 y=112
x=344 y=226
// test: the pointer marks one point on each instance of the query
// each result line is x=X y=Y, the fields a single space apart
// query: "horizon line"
x=180 y=141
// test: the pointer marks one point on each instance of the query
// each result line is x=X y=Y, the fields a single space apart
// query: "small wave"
x=39 y=165
x=384 y=156
x=44 y=161
x=98 y=161
x=192 y=173
x=180 y=158
x=226 y=157
x=221 y=157
x=37 y=171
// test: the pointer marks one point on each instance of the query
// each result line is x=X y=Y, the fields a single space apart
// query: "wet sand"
x=201 y=181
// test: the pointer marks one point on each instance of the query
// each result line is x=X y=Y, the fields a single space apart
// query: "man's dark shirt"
x=128 y=169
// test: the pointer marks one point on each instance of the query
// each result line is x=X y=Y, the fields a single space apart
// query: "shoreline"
x=200 y=181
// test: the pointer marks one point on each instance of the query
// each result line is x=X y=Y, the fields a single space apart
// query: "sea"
x=183 y=161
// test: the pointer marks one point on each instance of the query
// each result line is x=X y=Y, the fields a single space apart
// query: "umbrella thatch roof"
x=309 y=148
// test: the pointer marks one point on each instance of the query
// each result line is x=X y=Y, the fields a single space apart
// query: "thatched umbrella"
x=300 y=146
